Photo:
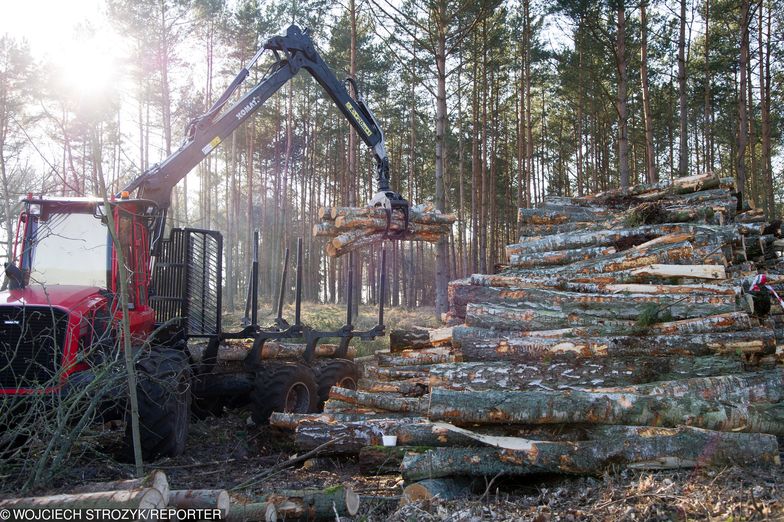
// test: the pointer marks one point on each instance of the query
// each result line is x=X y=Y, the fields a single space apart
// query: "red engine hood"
x=68 y=297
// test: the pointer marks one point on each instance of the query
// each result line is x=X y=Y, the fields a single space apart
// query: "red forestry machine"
x=60 y=314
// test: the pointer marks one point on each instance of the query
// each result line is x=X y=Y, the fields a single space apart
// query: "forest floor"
x=229 y=452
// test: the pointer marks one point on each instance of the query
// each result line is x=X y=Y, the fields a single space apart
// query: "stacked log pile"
x=350 y=228
x=620 y=333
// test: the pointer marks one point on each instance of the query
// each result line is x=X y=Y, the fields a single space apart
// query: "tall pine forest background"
x=487 y=106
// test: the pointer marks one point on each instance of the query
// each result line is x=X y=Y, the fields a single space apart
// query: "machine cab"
x=66 y=241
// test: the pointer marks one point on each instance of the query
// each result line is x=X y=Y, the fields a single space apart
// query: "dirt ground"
x=227 y=452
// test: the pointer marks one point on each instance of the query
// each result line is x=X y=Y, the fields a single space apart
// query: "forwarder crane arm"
x=293 y=52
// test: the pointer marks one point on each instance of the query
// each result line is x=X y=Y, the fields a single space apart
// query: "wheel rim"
x=347 y=382
x=297 y=399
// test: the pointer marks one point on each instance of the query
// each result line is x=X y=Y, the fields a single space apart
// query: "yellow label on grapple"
x=358 y=118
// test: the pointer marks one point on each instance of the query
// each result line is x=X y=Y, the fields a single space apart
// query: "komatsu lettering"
x=249 y=107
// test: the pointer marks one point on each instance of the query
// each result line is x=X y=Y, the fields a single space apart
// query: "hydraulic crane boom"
x=293 y=52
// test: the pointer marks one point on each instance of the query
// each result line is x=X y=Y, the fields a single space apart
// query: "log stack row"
x=620 y=333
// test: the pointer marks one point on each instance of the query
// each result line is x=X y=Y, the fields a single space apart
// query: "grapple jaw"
x=392 y=202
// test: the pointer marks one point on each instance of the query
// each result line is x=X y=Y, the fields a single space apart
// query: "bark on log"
x=307 y=504
x=354 y=239
x=155 y=479
x=290 y=421
x=730 y=322
x=347 y=223
x=384 y=460
x=683 y=253
x=543 y=216
x=201 y=499
x=764 y=386
x=335 y=406
x=541 y=231
x=394 y=373
x=558 y=257
x=653 y=274
x=637 y=288
x=149 y=498
x=313 y=504
x=582 y=373
x=613 y=237
x=355 y=435
x=639 y=448
x=572 y=406
x=442 y=488
x=662 y=189
x=348 y=437
x=412 y=338
x=416 y=214
x=378 y=400
x=409 y=388
x=760 y=341
x=538 y=309
x=414 y=358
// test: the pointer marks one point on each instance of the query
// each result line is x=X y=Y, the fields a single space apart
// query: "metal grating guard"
x=31 y=345
x=187 y=281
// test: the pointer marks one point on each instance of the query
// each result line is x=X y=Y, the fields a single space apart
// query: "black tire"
x=334 y=372
x=206 y=407
x=286 y=387
x=164 y=395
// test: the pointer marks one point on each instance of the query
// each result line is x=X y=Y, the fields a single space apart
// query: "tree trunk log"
x=760 y=341
x=290 y=421
x=397 y=373
x=412 y=338
x=442 y=488
x=558 y=257
x=149 y=498
x=416 y=214
x=348 y=437
x=764 y=386
x=355 y=435
x=613 y=237
x=730 y=322
x=384 y=460
x=155 y=479
x=639 y=448
x=299 y=504
x=572 y=406
x=536 y=309
x=572 y=372
x=201 y=499
x=414 y=358
x=378 y=401
x=409 y=388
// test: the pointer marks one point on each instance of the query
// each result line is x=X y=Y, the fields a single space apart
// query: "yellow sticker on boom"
x=358 y=118
x=211 y=145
